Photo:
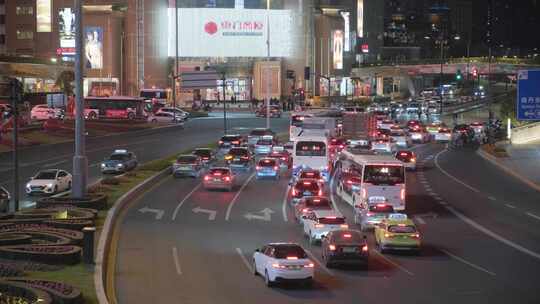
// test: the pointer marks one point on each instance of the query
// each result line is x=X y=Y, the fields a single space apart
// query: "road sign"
x=199 y=80
x=528 y=101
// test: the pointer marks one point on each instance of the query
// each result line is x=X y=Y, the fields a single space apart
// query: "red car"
x=306 y=187
x=284 y=157
x=219 y=178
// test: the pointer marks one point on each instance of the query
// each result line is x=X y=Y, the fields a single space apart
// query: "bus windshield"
x=310 y=148
x=383 y=174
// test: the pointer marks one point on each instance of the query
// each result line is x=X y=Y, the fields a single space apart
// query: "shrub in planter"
x=70 y=224
x=16 y=292
x=93 y=201
x=61 y=293
x=65 y=254
x=111 y=180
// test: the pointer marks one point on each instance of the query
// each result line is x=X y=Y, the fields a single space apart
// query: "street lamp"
x=268 y=64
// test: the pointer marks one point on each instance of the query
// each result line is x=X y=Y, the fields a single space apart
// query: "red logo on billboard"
x=211 y=28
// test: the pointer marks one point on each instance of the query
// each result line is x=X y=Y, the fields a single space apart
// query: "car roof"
x=49 y=170
x=327 y=213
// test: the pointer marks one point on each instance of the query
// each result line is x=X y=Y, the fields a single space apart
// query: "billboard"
x=66 y=30
x=347 y=29
x=93 y=47
x=213 y=32
x=360 y=18
x=337 y=49
x=43 y=16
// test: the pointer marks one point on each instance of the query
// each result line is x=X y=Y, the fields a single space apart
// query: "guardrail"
x=525 y=134
x=471 y=105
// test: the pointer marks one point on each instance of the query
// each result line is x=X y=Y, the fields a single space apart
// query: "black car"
x=345 y=247
x=206 y=154
x=239 y=158
x=464 y=130
x=306 y=187
x=229 y=141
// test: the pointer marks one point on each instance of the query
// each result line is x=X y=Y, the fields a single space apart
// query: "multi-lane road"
x=147 y=145
x=480 y=230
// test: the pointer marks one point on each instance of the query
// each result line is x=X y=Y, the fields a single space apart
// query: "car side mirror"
x=257 y=250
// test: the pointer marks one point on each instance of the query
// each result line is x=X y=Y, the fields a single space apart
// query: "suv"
x=239 y=157
x=228 y=141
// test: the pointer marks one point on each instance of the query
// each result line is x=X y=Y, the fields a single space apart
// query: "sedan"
x=282 y=262
x=419 y=134
x=345 y=247
x=49 y=182
x=264 y=146
x=308 y=204
x=165 y=117
x=207 y=155
x=187 y=165
x=267 y=168
x=408 y=158
x=220 y=178
x=120 y=161
x=444 y=135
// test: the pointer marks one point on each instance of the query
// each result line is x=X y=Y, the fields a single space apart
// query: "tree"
x=65 y=82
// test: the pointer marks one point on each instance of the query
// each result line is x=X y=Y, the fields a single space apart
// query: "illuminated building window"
x=24 y=10
x=25 y=34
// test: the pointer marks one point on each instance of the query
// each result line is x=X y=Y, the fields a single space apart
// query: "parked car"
x=49 y=182
x=43 y=112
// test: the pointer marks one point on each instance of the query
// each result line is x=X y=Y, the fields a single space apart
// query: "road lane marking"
x=245 y=260
x=158 y=213
x=284 y=205
x=533 y=215
x=491 y=198
x=510 y=206
x=235 y=198
x=312 y=256
x=393 y=263
x=462 y=260
x=55 y=164
x=176 y=261
x=211 y=213
x=451 y=176
x=175 y=213
x=443 y=203
x=492 y=234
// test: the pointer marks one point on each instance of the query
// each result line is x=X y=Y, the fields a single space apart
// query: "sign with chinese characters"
x=528 y=101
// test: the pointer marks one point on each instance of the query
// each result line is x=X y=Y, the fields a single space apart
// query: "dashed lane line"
x=235 y=198
x=387 y=260
x=451 y=176
x=492 y=234
x=176 y=261
x=533 y=215
x=245 y=260
x=510 y=206
x=491 y=198
x=462 y=260
x=177 y=209
x=284 y=204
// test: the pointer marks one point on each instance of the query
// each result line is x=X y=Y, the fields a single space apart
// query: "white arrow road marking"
x=245 y=260
x=175 y=213
x=468 y=263
x=211 y=213
x=235 y=198
x=176 y=261
x=266 y=217
x=158 y=212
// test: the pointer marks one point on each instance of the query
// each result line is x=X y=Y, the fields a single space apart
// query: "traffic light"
x=459 y=76
x=307 y=73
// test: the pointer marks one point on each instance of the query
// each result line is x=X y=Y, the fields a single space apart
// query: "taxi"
x=267 y=168
x=239 y=158
x=397 y=232
x=120 y=161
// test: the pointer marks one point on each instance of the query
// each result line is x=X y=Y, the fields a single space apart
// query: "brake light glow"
x=305 y=210
x=381 y=205
x=369 y=214
x=349 y=182
x=402 y=194
x=402 y=225
x=283 y=158
x=217 y=174
x=413 y=159
x=206 y=178
x=320 y=192
x=403 y=154
x=365 y=248
x=310 y=173
x=221 y=142
x=293 y=192
x=344 y=226
x=276 y=168
x=235 y=142
x=386 y=235
x=257 y=168
x=292 y=258
x=310 y=265
x=330 y=217
x=332 y=247
x=307 y=183
x=275 y=265
x=347 y=235
x=317 y=200
x=319 y=225
x=415 y=235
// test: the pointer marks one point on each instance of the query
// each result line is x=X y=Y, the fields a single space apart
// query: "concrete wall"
x=525 y=134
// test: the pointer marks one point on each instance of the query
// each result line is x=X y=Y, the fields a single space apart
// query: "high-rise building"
x=2 y=27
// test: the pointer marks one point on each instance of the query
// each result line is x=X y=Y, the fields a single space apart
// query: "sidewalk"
x=523 y=162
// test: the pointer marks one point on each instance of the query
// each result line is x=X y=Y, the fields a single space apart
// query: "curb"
x=494 y=161
x=100 y=269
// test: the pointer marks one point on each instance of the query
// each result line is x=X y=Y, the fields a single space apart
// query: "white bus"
x=311 y=151
x=379 y=176
x=297 y=120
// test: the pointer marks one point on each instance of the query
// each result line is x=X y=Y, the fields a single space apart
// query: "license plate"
x=349 y=249
x=185 y=168
x=217 y=179
x=307 y=193
x=237 y=159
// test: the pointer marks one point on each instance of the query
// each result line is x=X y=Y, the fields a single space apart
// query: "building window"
x=24 y=10
x=2 y=39
x=25 y=34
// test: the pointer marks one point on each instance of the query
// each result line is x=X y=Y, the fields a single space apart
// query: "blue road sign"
x=528 y=101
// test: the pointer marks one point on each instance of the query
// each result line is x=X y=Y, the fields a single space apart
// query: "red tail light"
x=350 y=182
x=283 y=158
x=320 y=193
x=347 y=235
x=292 y=258
x=415 y=235
x=293 y=192
x=305 y=210
x=206 y=158
x=332 y=247
x=365 y=248
x=206 y=178
x=402 y=194
x=307 y=183
x=221 y=142
x=235 y=142
x=381 y=205
x=227 y=178
x=276 y=168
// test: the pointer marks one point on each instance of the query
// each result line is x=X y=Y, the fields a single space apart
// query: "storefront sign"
x=230 y=32
x=360 y=18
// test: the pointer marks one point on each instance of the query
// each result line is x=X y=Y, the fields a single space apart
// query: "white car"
x=385 y=145
x=478 y=127
x=444 y=135
x=386 y=124
x=179 y=112
x=318 y=223
x=49 y=182
x=164 y=117
x=401 y=138
x=419 y=134
x=43 y=112
x=281 y=262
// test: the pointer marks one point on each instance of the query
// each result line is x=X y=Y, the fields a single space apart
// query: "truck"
x=311 y=152
x=358 y=125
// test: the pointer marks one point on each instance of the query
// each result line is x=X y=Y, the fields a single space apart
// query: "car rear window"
x=307 y=186
x=186 y=159
x=348 y=237
x=331 y=220
x=265 y=142
x=397 y=134
x=291 y=251
x=310 y=174
x=267 y=162
x=381 y=208
x=318 y=202
x=219 y=171
x=230 y=138
x=258 y=132
x=401 y=229
x=202 y=152
x=238 y=151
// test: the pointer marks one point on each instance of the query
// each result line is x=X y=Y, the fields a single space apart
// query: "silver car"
x=370 y=213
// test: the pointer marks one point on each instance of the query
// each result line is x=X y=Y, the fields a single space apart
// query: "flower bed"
x=59 y=292
x=20 y=293
x=94 y=201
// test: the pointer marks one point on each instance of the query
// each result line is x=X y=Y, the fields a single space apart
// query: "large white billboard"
x=43 y=16
x=212 y=32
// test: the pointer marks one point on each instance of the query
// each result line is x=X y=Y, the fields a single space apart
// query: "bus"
x=311 y=152
x=379 y=176
x=297 y=120
x=114 y=107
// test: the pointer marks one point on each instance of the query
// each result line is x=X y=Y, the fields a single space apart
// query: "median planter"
x=94 y=201
x=16 y=292
x=60 y=293
x=54 y=254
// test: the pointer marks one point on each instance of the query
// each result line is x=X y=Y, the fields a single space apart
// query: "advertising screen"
x=43 y=16
x=93 y=47
x=360 y=18
x=66 y=30
x=337 y=42
x=212 y=32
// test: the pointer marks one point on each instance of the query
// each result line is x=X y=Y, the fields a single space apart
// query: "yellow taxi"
x=397 y=232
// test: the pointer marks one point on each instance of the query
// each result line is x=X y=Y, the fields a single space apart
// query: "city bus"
x=114 y=107
x=379 y=176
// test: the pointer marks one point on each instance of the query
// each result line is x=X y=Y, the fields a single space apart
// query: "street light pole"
x=80 y=162
x=441 y=42
x=223 y=86
x=175 y=71
x=268 y=74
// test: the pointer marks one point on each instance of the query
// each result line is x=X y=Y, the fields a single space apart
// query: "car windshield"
x=186 y=159
x=310 y=148
x=285 y=251
x=397 y=134
x=381 y=208
x=347 y=237
x=267 y=162
x=382 y=174
x=46 y=175
x=318 y=202
x=401 y=229
x=120 y=157
x=219 y=171
x=331 y=220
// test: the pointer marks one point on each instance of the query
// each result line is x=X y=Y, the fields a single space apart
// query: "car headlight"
x=103 y=165
x=50 y=186
x=120 y=165
x=28 y=185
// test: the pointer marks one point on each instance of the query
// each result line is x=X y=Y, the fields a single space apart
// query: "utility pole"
x=223 y=86
x=80 y=162
x=16 y=91
x=175 y=71
x=441 y=42
x=268 y=74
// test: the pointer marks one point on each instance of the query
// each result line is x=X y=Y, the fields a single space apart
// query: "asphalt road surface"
x=147 y=145
x=480 y=232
